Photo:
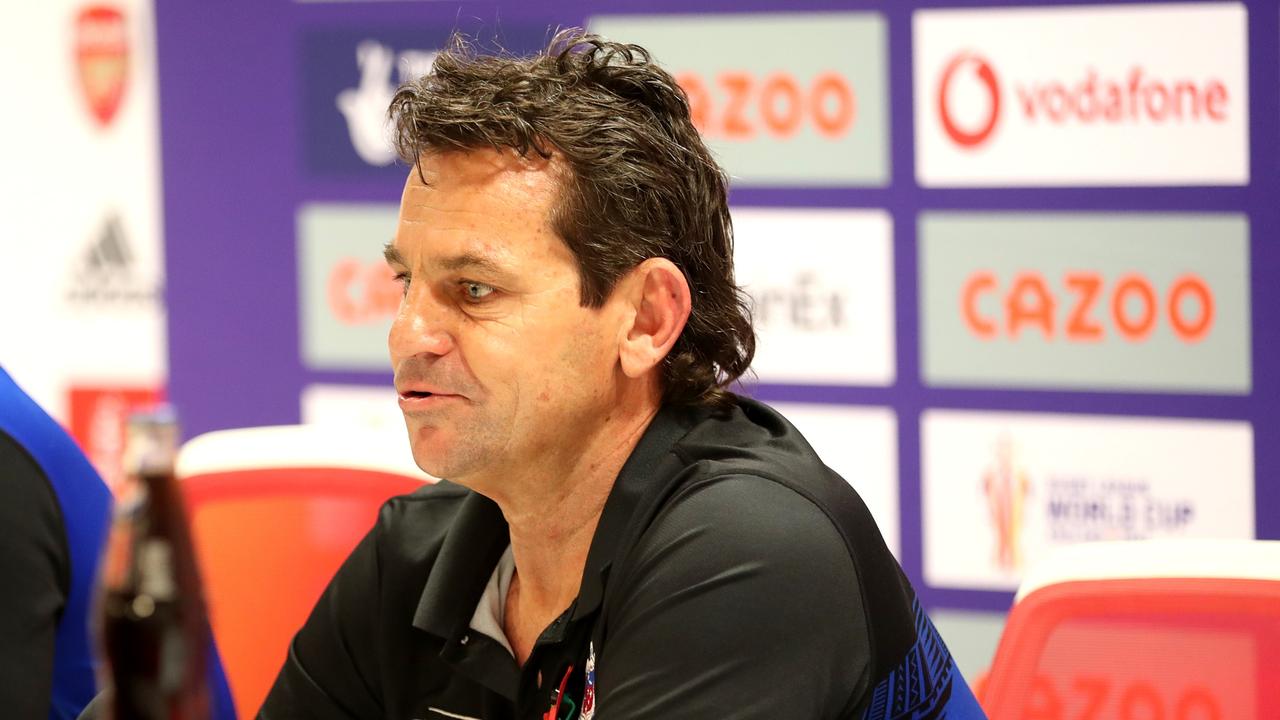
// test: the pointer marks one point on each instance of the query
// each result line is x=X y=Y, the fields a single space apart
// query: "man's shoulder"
x=774 y=493
x=756 y=514
x=753 y=440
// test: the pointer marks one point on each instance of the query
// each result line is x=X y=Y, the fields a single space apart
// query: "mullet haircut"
x=640 y=181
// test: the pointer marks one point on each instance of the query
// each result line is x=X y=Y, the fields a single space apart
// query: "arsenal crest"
x=102 y=58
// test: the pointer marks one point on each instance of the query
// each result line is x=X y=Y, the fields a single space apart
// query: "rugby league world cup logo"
x=964 y=129
x=1005 y=484
x=102 y=60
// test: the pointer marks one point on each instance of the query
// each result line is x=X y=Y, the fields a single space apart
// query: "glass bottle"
x=154 y=627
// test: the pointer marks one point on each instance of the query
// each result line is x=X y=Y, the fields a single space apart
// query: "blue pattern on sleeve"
x=926 y=684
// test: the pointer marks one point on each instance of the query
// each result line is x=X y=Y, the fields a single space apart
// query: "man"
x=620 y=537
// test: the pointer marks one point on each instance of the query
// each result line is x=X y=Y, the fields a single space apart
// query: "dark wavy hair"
x=641 y=183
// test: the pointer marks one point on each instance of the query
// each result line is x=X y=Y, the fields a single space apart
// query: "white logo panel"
x=1000 y=490
x=367 y=406
x=1086 y=95
x=861 y=444
x=821 y=286
x=81 y=281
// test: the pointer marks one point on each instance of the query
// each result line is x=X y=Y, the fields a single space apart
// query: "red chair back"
x=1158 y=648
x=268 y=541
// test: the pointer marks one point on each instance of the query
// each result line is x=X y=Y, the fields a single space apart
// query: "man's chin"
x=440 y=456
x=425 y=445
x=434 y=463
x=445 y=453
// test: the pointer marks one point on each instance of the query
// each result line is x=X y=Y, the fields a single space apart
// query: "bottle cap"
x=151 y=441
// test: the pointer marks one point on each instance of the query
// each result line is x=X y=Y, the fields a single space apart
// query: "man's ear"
x=658 y=294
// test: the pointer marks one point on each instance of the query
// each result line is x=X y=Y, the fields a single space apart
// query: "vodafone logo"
x=986 y=75
x=1138 y=97
x=1100 y=95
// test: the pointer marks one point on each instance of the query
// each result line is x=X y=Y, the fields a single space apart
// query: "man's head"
x=575 y=184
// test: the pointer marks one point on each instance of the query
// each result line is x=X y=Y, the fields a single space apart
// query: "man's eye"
x=403 y=279
x=474 y=291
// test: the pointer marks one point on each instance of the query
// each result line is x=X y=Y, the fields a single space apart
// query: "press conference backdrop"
x=1014 y=267
x=82 y=322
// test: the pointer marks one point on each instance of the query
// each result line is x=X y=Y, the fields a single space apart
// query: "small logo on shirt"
x=589 y=693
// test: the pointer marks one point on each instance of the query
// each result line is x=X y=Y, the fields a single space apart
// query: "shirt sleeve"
x=331 y=671
x=35 y=570
x=744 y=603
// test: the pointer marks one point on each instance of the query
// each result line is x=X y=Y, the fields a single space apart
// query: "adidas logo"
x=104 y=275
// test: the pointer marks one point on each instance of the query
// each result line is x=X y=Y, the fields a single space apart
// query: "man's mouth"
x=424 y=399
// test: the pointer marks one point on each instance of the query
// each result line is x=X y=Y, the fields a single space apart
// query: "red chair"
x=274 y=511
x=1170 y=630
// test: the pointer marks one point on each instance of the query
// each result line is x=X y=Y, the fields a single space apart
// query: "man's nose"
x=421 y=327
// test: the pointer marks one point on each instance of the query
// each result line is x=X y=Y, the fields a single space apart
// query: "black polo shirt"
x=731 y=574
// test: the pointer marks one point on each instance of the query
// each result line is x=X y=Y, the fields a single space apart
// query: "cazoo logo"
x=1082 y=306
x=778 y=104
x=1123 y=301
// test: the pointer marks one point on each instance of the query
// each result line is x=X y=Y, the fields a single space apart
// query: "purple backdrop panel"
x=253 y=129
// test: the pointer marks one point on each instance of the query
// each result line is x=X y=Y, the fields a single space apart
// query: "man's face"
x=498 y=366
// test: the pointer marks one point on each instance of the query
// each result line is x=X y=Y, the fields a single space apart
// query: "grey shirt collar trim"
x=491 y=609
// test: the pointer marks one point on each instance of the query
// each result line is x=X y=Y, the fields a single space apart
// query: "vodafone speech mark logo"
x=102 y=59
x=983 y=71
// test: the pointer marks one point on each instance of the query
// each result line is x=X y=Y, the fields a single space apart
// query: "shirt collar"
x=471 y=549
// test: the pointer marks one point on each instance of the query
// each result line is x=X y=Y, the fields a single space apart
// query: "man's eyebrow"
x=454 y=263
x=471 y=261
x=393 y=256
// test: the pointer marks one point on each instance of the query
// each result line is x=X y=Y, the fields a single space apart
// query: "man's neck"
x=552 y=513
x=554 y=520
